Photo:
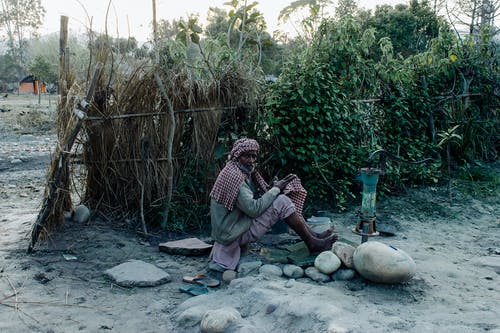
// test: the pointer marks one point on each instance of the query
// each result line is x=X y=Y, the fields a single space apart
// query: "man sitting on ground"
x=244 y=207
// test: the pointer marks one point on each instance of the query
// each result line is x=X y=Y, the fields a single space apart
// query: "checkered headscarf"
x=228 y=183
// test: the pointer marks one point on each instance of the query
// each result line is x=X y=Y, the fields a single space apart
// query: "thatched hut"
x=124 y=165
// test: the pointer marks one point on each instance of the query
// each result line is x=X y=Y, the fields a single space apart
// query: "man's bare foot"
x=319 y=245
x=323 y=234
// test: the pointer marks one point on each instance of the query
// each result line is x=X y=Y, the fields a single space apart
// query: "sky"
x=133 y=17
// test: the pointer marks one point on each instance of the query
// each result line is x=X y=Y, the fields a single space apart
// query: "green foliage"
x=478 y=180
x=425 y=101
x=312 y=116
x=189 y=31
x=189 y=207
x=409 y=27
x=463 y=77
x=10 y=71
x=167 y=29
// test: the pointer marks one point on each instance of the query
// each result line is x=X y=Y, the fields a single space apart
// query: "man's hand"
x=281 y=184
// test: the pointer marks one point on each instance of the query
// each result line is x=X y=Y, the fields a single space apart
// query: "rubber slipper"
x=194 y=290
x=202 y=279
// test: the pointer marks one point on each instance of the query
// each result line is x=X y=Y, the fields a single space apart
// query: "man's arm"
x=255 y=207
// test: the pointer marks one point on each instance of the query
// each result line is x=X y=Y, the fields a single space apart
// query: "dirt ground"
x=456 y=249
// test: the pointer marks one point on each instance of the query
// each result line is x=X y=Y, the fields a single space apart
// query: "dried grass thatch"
x=123 y=144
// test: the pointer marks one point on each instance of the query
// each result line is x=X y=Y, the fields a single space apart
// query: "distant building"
x=30 y=85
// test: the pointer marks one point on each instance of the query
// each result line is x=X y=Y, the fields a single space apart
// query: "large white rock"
x=379 y=262
x=215 y=321
x=327 y=262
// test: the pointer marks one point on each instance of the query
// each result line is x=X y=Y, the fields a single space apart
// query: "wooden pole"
x=39 y=92
x=63 y=45
x=171 y=130
x=155 y=35
x=63 y=202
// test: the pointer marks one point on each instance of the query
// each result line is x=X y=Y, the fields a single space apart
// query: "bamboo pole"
x=151 y=114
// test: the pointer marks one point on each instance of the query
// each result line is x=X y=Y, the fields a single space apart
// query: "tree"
x=42 y=69
x=217 y=22
x=10 y=71
x=247 y=22
x=470 y=16
x=20 y=19
x=168 y=29
x=345 y=7
x=409 y=27
x=305 y=24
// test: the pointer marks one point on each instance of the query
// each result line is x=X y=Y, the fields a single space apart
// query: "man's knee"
x=283 y=205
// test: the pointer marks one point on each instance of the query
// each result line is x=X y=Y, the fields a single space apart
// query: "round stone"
x=327 y=262
x=81 y=214
x=270 y=270
x=228 y=275
x=293 y=271
x=344 y=275
x=383 y=263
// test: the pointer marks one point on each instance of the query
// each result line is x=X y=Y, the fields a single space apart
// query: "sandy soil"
x=456 y=248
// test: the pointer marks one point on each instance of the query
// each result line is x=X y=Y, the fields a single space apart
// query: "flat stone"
x=299 y=255
x=186 y=247
x=293 y=271
x=315 y=275
x=137 y=273
x=382 y=263
x=345 y=253
x=274 y=255
x=247 y=268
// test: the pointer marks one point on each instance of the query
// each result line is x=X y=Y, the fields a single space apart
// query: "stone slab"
x=186 y=247
x=137 y=273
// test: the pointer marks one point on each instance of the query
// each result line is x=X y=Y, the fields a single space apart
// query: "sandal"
x=194 y=290
x=202 y=279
